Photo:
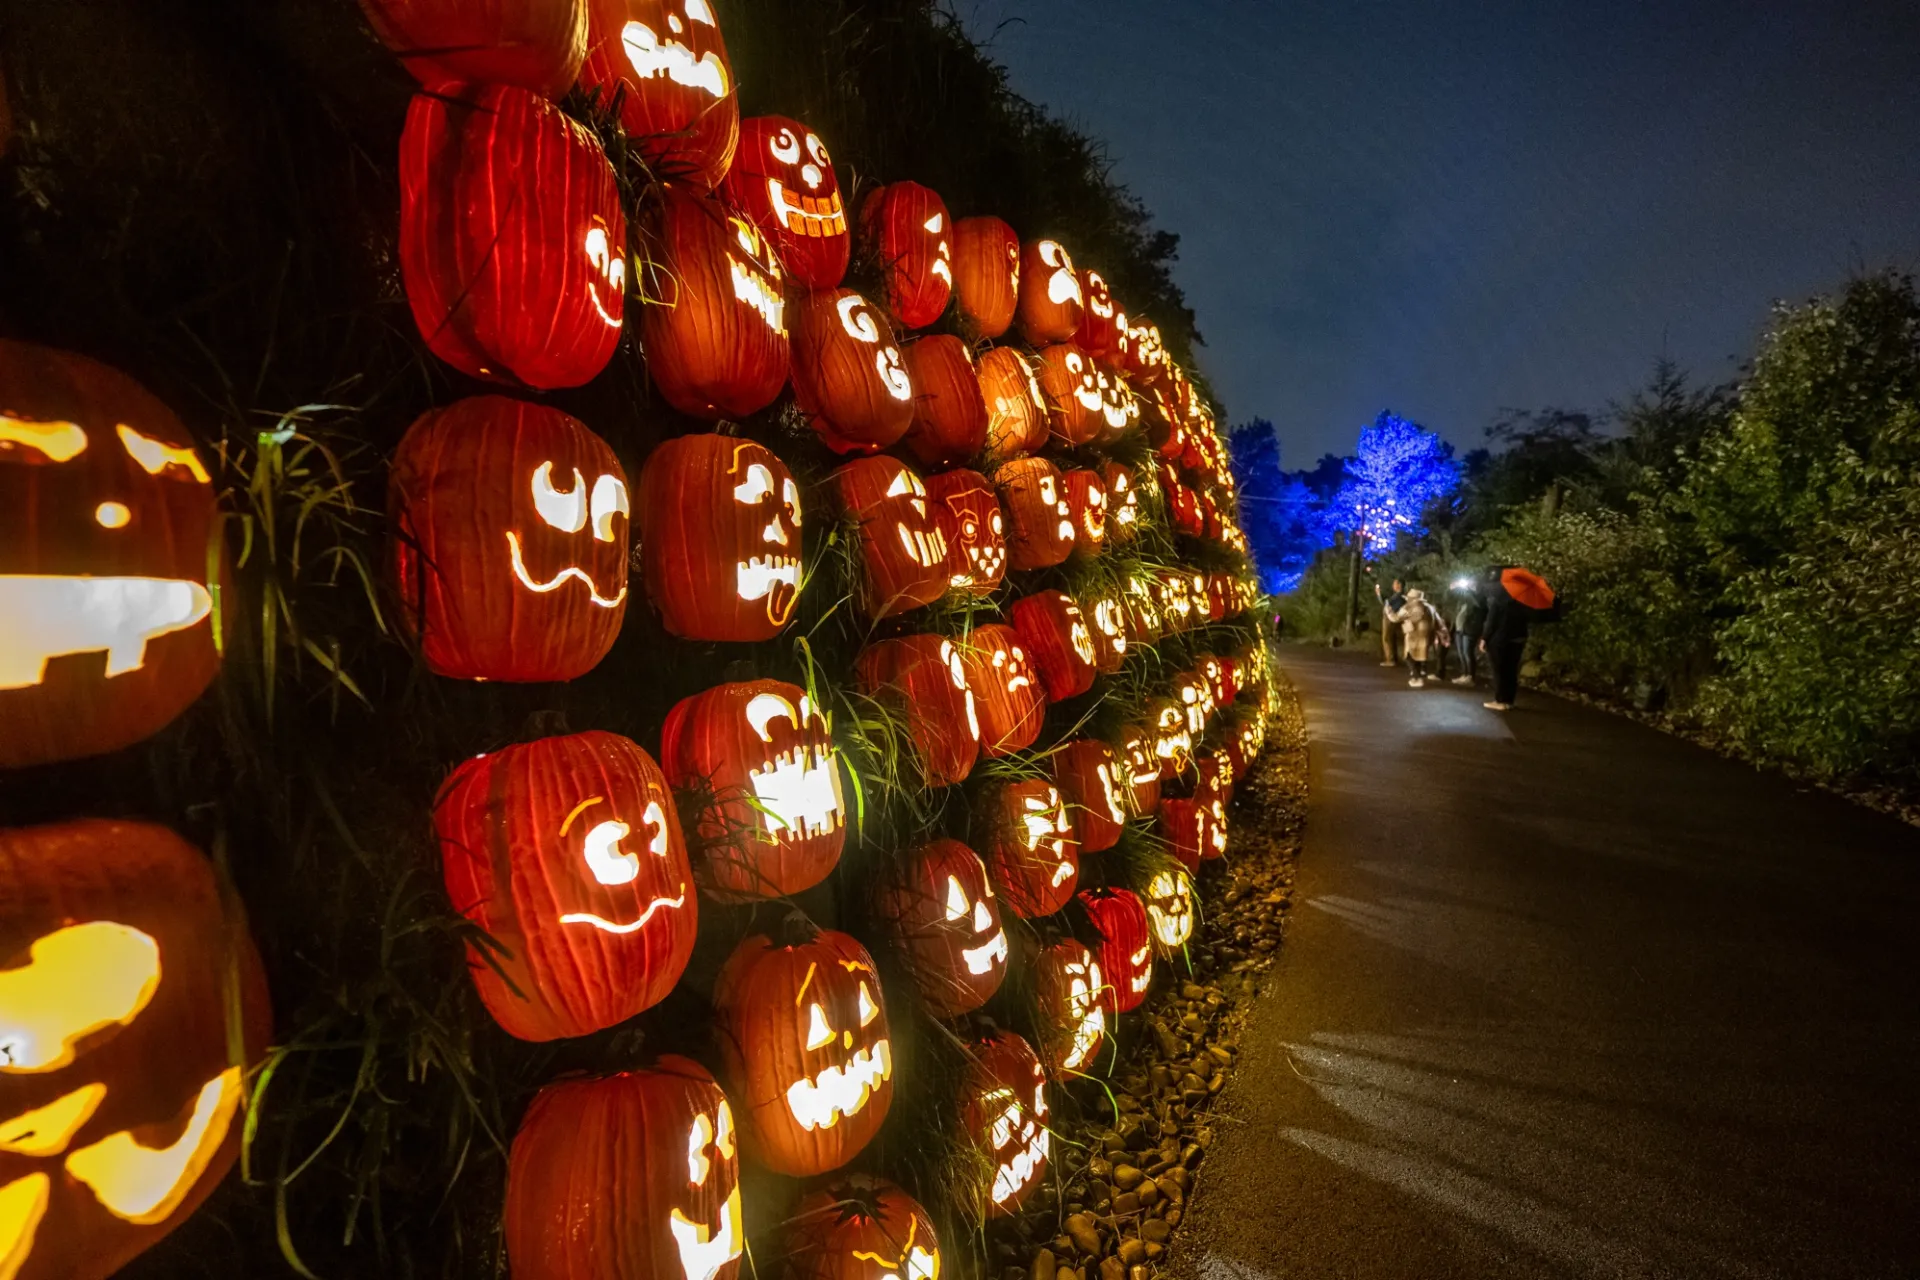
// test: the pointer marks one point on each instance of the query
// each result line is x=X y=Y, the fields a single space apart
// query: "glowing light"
x=56 y=441
x=842 y=1091
x=45 y=1131
x=1172 y=922
x=112 y=515
x=602 y=256
x=565 y=511
x=553 y=584
x=44 y=617
x=23 y=1202
x=652 y=58
x=984 y=958
x=798 y=790
x=155 y=456
x=608 y=926
x=816 y=217
x=77 y=980
x=752 y=288
x=144 y=1185
x=1063 y=285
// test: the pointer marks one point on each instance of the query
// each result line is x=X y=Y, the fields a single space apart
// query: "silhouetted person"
x=1389 y=631
x=1504 y=641
x=1469 y=621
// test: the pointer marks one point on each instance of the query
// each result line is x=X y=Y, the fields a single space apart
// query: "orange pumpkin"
x=1070 y=385
x=923 y=679
x=1030 y=846
x=1087 y=500
x=949 y=415
x=969 y=517
x=1123 y=502
x=938 y=906
x=1093 y=782
x=535 y=45
x=986 y=275
x=1051 y=305
x=1006 y=1117
x=849 y=377
x=1142 y=767
x=859 y=1227
x=1126 y=945
x=783 y=179
x=1103 y=325
x=1007 y=692
x=903 y=553
x=1058 y=640
x=1040 y=528
x=907 y=231
x=664 y=65
x=1169 y=902
x=1107 y=624
x=1016 y=409
x=1070 y=990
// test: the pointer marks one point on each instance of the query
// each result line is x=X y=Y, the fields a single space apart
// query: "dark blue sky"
x=1445 y=207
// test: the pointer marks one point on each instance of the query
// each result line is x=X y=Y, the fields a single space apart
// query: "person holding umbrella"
x=1516 y=598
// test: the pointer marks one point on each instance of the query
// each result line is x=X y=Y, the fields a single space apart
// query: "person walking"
x=1390 y=646
x=1418 y=621
x=1504 y=640
x=1469 y=622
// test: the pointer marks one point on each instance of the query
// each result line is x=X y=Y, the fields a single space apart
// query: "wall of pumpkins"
x=819 y=962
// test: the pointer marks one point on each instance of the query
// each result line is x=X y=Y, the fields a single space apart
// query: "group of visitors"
x=1486 y=622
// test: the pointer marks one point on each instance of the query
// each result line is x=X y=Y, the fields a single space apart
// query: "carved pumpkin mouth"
x=752 y=288
x=1011 y=1178
x=705 y=1250
x=559 y=579
x=981 y=960
x=44 y=617
x=1143 y=975
x=775 y=579
x=609 y=926
x=816 y=217
x=799 y=792
x=843 y=1091
x=653 y=58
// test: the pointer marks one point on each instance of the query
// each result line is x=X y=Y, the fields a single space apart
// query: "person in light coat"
x=1418 y=622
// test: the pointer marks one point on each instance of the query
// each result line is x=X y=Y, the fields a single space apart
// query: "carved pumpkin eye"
x=563 y=510
x=77 y=981
x=818 y=150
x=156 y=457
x=46 y=1131
x=40 y=442
x=956 y=899
x=785 y=147
x=935 y=224
x=700 y=11
x=819 y=1034
x=868 y=1009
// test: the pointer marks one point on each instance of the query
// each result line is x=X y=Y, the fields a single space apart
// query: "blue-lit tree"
x=1285 y=521
x=1398 y=470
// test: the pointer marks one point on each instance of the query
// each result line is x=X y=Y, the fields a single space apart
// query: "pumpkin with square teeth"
x=663 y=65
x=908 y=232
x=986 y=275
x=1093 y=780
x=1126 y=945
x=1031 y=850
x=1070 y=990
x=531 y=44
x=1005 y=1120
x=922 y=679
x=949 y=416
x=782 y=178
x=969 y=517
x=1040 y=525
x=849 y=377
x=1051 y=303
x=859 y=1227
x=938 y=906
x=719 y=522
x=1007 y=693
x=903 y=553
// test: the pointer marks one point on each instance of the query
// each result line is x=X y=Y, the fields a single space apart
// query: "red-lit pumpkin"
x=906 y=228
x=1195 y=693
x=106 y=530
x=782 y=179
x=1225 y=673
x=1016 y=410
x=804 y=1043
x=1172 y=741
x=1123 y=503
x=1069 y=990
x=938 y=906
x=1051 y=304
x=528 y=290
x=1007 y=694
x=1094 y=784
x=1126 y=945
x=1213 y=775
x=1144 y=623
x=1103 y=325
x=1169 y=902
x=1071 y=387
x=719 y=521
x=1190 y=831
x=1030 y=847
x=949 y=415
x=849 y=377
x=510 y=540
x=632 y=1174
x=986 y=275
x=968 y=514
x=903 y=552
x=1040 y=530
x=923 y=679
x=567 y=851
x=1006 y=1120
x=1142 y=770
x=1057 y=640
x=1183 y=505
x=1087 y=501
x=860 y=1227
x=131 y=1004
x=665 y=65
x=535 y=45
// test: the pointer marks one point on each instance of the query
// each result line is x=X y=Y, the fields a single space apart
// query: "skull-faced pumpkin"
x=903 y=553
x=1007 y=693
x=860 y=1227
x=1051 y=304
x=783 y=179
x=719 y=521
x=1032 y=854
x=666 y=64
x=938 y=906
x=968 y=515
x=1070 y=991
x=1039 y=520
x=909 y=233
x=923 y=680
x=986 y=275
x=1169 y=900
x=1126 y=946
x=1006 y=1119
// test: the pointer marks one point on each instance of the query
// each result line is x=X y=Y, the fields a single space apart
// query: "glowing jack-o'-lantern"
x=1051 y=304
x=1169 y=900
x=1146 y=354
x=1071 y=387
x=1193 y=830
x=1142 y=767
x=939 y=907
x=903 y=551
x=1123 y=502
x=1006 y=689
x=568 y=852
x=860 y=1227
x=633 y=1174
x=1058 y=640
x=1087 y=500
x=510 y=546
x=531 y=44
x=1144 y=623
x=1119 y=407
x=1016 y=408
x=131 y=1002
x=909 y=232
x=1039 y=520
x=805 y=1046
x=719 y=521
x=949 y=415
x=1031 y=851
x=1103 y=326
x=1172 y=740
x=849 y=377
x=783 y=179
x=528 y=291
x=1006 y=1119
x=1093 y=780
x=969 y=517
x=1126 y=946
x=923 y=679
x=716 y=332
x=1183 y=505
x=665 y=64
x=1070 y=990
x=759 y=758
x=986 y=275
x=106 y=526
x=1213 y=776
x=1195 y=693
x=1107 y=620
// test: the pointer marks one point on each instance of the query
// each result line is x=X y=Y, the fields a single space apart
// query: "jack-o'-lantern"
x=924 y=681
x=1093 y=781
x=535 y=45
x=510 y=542
x=1146 y=354
x=1016 y=409
x=1123 y=503
x=664 y=64
x=1070 y=990
x=902 y=550
x=938 y=906
x=1051 y=304
x=568 y=852
x=1142 y=765
x=782 y=179
x=528 y=291
x=1103 y=325
x=107 y=525
x=849 y=377
x=1144 y=623
x=1039 y=519
x=131 y=1003
x=1087 y=500
x=1057 y=640
x=860 y=1227
x=719 y=521
x=969 y=517
x=1195 y=693
x=1006 y=1119
x=1071 y=387
x=806 y=1051
x=1175 y=605
x=949 y=415
x=1107 y=622
x=1126 y=945
x=1006 y=689
x=1194 y=831
x=759 y=757
x=715 y=327
x=1183 y=506
x=632 y=1174
x=986 y=275
x=907 y=229
x=1210 y=527
x=1030 y=847
x=1172 y=740
x=1213 y=775
x=1119 y=407
x=1225 y=673
x=1169 y=900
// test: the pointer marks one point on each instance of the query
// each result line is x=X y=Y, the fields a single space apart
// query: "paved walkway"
x=1563 y=996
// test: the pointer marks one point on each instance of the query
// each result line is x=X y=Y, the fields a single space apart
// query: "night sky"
x=1446 y=207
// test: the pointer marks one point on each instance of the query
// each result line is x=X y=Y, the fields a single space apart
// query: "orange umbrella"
x=1527 y=588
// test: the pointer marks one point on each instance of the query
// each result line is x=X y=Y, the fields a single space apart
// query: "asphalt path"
x=1565 y=996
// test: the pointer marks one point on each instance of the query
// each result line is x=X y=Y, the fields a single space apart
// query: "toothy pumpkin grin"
x=799 y=790
x=840 y=1091
x=705 y=1250
x=44 y=617
x=814 y=216
x=760 y=577
x=653 y=58
x=1012 y=1177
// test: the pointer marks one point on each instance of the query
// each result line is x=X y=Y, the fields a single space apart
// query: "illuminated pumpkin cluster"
x=719 y=521
x=938 y=906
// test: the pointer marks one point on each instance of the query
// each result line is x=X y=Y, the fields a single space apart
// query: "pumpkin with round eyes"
x=986 y=275
x=1070 y=990
x=1070 y=384
x=860 y=1227
x=949 y=414
x=1093 y=781
x=568 y=852
x=938 y=906
x=1222 y=673
x=663 y=65
x=923 y=680
x=131 y=1003
x=715 y=332
x=849 y=377
x=1016 y=408
x=907 y=230
x=903 y=553
x=535 y=45
x=529 y=291
x=1039 y=519
x=1103 y=325
x=1058 y=640
x=1007 y=692
x=1006 y=1119
x=968 y=516
x=1169 y=902
x=719 y=522
x=782 y=178
x=1119 y=407
x=1051 y=304
x=1031 y=851
x=510 y=543
x=106 y=533
x=1087 y=501
x=1126 y=945
x=631 y=1174
x=806 y=1051
x=1142 y=767
x=1123 y=502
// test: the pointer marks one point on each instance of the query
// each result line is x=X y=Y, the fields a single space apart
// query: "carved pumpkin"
x=568 y=852
x=860 y=1227
x=1143 y=769
x=716 y=333
x=1146 y=354
x=949 y=415
x=923 y=679
x=1016 y=410
x=1195 y=692
x=1191 y=832
x=760 y=758
x=106 y=528
x=1070 y=991
x=1071 y=387
x=902 y=550
x=1123 y=503
x=849 y=377
x=1144 y=623
x=1172 y=740
x=665 y=64
x=782 y=179
x=535 y=45
x=968 y=515
x=1119 y=407
x=986 y=275
x=1107 y=621
x=1051 y=304
x=1058 y=641
x=1006 y=690
x=131 y=1002
x=1183 y=506
x=938 y=906
x=528 y=291
x=1039 y=520
x=1169 y=901
x=906 y=228
x=804 y=1043
x=1030 y=847
x=1126 y=946
x=1213 y=776
x=1006 y=1119
x=1093 y=781
x=1103 y=325
x=1087 y=501
x=632 y=1174
x=719 y=521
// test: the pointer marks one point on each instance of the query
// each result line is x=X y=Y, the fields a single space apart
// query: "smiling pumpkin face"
x=783 y=179
x=1071 y=992
x=903 y=551
x=940 y=908
x=1006 y=1119
x=667 y=63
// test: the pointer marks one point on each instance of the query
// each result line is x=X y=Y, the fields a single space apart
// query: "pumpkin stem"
x=796 y=930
